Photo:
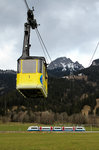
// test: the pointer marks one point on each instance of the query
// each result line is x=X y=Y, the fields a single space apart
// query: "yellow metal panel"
x=28 y=78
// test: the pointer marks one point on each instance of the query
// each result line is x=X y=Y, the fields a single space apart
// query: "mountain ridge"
x=65 y=63
x=7 y=71
x=63 y=66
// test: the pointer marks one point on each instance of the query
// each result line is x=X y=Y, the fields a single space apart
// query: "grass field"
x=46 y=141
x=49 y=141
x=14 y=126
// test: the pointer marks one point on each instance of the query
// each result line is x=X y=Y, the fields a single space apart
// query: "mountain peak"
x=95 y=62
x=64 y=64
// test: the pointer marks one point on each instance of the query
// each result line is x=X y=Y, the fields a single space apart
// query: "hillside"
x=7 y=81
x=66 y=95
x=92 y=72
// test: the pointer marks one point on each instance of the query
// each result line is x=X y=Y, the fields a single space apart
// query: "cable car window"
x=29 y=66
x=19 y=66
x=40 y=66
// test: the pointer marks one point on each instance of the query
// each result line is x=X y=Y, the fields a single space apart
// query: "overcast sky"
x=69 y=28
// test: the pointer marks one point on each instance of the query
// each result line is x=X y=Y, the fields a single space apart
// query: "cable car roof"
x=33 y=57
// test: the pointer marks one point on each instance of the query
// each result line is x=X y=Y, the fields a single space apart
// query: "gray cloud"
x=68 y=28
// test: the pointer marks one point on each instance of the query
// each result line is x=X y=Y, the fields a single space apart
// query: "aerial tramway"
x=32 y=78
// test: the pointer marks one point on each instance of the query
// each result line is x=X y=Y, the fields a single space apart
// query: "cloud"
x=68 y=28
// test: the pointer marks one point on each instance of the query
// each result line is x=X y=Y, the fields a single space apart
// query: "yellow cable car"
x=32 y=77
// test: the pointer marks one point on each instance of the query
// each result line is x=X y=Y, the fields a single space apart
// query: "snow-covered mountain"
x=65 y=64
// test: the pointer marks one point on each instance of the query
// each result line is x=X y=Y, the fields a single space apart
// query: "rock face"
x=65 y=64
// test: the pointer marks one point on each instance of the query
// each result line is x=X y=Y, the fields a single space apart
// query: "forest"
x=65 y=99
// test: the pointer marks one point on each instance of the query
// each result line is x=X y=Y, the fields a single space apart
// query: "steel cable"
x=41 y=44
x=93 y=53
x=26 y=4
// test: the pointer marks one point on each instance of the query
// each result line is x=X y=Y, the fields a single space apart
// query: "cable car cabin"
x=32 y=77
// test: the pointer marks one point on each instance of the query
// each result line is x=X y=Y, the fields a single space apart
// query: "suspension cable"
x=94 y=53
x=26 y=4
x=41 y=44
x=44 y=45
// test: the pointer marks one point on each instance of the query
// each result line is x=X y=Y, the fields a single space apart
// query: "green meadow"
x=46 y=141
x=49 y=141
x=14 y=126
